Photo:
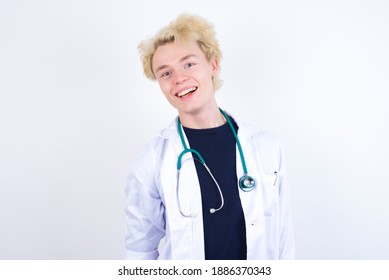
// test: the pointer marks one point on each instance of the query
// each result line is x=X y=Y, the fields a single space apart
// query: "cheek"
x=165 y=88
x=206 y=77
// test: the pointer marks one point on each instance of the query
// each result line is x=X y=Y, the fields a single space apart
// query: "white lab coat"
x=152 y=210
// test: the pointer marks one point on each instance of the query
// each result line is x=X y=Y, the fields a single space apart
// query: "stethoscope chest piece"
x=246 y=183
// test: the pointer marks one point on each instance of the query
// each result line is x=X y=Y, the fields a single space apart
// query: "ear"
x=214 y=66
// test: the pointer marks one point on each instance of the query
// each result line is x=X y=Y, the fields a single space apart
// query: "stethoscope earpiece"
x=246 y=183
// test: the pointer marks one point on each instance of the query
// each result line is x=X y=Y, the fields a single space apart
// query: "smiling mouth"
x=186 y=92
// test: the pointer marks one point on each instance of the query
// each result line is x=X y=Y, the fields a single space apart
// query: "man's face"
x=185 y=76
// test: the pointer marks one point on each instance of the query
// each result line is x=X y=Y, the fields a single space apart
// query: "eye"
x=189 y=65
x=166 y=74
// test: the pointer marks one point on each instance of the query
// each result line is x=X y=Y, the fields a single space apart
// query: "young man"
x=212 y=186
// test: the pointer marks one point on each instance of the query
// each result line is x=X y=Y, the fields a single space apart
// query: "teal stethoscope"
x=246 y=182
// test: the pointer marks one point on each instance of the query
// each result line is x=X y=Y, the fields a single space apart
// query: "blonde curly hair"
x=184 y=29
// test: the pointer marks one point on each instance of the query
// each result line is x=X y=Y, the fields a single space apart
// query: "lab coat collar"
x=245 y=131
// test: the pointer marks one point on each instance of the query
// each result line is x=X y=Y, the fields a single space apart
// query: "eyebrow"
x=182 y=59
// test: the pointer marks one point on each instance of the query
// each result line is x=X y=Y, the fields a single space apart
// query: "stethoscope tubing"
x=246 y=182
x=211 y=210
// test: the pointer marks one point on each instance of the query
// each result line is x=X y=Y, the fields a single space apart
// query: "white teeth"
x=185 y=92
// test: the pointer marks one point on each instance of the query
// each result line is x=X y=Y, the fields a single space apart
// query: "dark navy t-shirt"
x=224 y=230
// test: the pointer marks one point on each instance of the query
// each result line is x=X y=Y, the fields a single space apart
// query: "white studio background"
x=75 y=109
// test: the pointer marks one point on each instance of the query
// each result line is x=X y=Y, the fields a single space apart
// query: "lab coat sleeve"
x=287 y=247
x=144 y=210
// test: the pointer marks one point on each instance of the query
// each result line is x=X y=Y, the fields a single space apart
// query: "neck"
x=209 y=119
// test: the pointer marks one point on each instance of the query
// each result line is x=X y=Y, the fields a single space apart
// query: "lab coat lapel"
x=187 y=239
x=251 y=201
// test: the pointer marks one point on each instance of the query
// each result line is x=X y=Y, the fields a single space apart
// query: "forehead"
x=171 y=53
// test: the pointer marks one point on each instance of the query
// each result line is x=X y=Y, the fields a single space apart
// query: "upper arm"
x=145 y=221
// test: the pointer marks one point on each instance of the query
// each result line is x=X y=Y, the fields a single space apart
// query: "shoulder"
x=150 y=154
x=263 y=146
x=259 y=141
x=251 y=132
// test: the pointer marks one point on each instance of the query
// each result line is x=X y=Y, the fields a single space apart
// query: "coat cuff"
x=133 y=255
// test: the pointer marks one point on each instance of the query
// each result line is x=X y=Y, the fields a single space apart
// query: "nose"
x=180 y=77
